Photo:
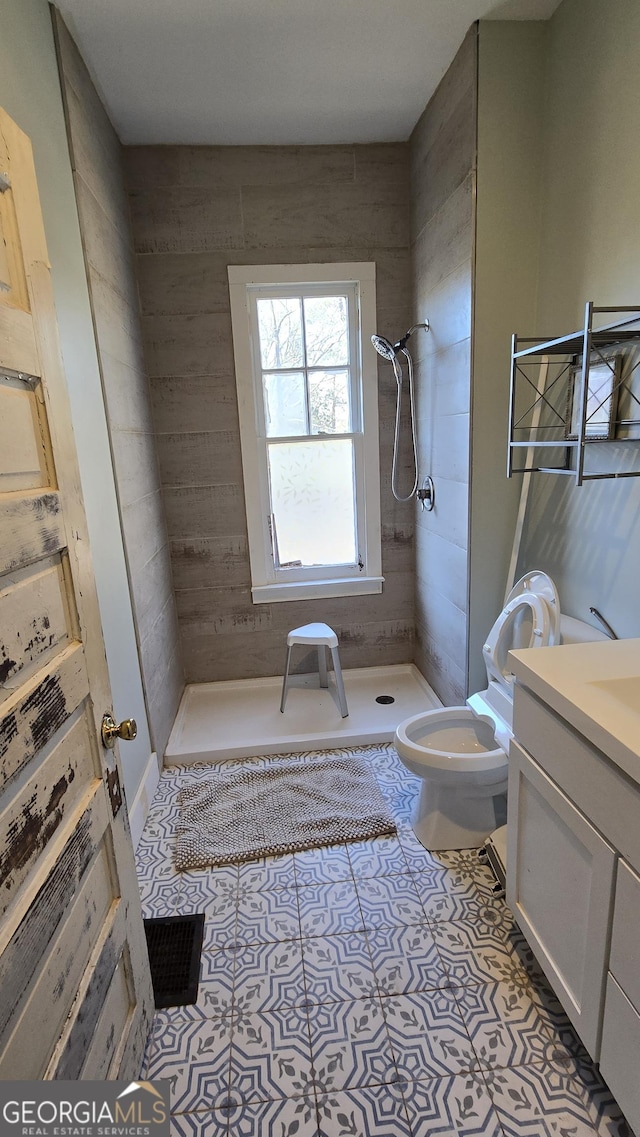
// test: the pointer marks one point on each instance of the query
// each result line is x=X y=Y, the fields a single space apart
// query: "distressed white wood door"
x=75 y=988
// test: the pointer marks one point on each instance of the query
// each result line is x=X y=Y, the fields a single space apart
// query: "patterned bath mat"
x=247 y=813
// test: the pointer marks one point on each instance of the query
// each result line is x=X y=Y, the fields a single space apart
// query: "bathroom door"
x=75 y=988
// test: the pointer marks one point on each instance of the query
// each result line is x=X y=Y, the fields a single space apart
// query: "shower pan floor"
x=240 y=718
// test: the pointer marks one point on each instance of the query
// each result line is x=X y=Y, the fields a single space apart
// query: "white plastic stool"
x=323 y=637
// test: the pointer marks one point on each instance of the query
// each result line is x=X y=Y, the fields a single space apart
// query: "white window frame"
x=271 y=583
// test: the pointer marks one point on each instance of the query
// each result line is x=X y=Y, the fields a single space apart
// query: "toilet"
x=460 y=753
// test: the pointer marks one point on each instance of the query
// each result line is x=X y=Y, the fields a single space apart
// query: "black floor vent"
x=175 y=946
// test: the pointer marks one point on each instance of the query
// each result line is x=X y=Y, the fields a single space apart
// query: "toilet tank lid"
x=574 y=631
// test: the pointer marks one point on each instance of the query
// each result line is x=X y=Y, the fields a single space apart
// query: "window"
x=307 y=399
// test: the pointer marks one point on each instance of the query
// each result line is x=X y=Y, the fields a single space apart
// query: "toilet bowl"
x=462 y=768
x=460 y=753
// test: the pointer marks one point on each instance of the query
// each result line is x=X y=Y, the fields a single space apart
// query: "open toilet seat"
x=436 y=740
x=460 y=753
x=501 y=638
x=540 y=584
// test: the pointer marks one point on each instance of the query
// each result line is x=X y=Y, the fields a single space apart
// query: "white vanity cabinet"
x=561 y=891
x=573 y=883
x=620 y=1049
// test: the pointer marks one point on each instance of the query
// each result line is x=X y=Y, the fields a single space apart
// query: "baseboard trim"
x=142 y=801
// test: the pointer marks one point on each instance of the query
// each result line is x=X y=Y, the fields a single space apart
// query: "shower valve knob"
x=427 y=494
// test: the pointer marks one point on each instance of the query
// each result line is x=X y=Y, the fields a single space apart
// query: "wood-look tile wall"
x=103 y=207
x=443 y=157
x=196 y=210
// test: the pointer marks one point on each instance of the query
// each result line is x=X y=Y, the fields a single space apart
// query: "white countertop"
x=595 y=687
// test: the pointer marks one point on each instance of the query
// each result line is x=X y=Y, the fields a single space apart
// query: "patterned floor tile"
x=464 y=865
x=396 y=805
x=213 y=1123
x=153 y=860
x=402 y=802
x=288 y=1117
x=215 y=991
x=391 y=772
x=195 y=1058
x=270 y=1056
x=479 y=953
x=390 y=781
x=160 y=897
x=435 y=876
x=441 y=905
x=173 y=778
x=457 y=1106
x=161 y=823
x=380 y=857
x=603 y=1110
x=220 y=927
x=338 y=968
x=461 y=866
x=516 y=943
x=268 y=917
x=215 y=883
x=428 y=1035
x=389 y=902
x=405 y=959
x=329 y=909
x=371 y=1111
x=462 y=904
x=322 y=866
x=216 y=987
x=269 y=976
x=195 y=896
x=167 y=787
x=457 y=887
x=504 y=1026
x=556 y=1022
x=350 y=1045
x=447 y=962
x=267 y=874
x=257 y=761
x=418 y=858
x=539 y=1101
x=384 y=761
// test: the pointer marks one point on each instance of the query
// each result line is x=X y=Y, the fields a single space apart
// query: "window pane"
x=326 y=330
x=284 y=404
x=329 y=402
x=280 y=326
x=312 y=500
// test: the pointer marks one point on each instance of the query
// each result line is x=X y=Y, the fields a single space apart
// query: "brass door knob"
x=127 y=730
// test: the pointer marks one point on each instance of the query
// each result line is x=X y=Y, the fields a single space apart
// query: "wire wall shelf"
x=574 y=402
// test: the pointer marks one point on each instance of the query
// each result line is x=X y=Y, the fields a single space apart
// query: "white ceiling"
x=248 y=72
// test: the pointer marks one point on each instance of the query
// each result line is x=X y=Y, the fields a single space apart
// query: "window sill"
x=316 y=589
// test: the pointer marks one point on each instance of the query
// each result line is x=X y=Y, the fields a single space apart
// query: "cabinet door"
x=560 y=875
x=620 y=1050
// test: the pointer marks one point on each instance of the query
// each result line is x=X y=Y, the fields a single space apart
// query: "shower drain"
x=385 y=699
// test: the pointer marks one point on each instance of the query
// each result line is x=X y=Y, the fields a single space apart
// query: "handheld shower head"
x=389 y=350
x=383 y=347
